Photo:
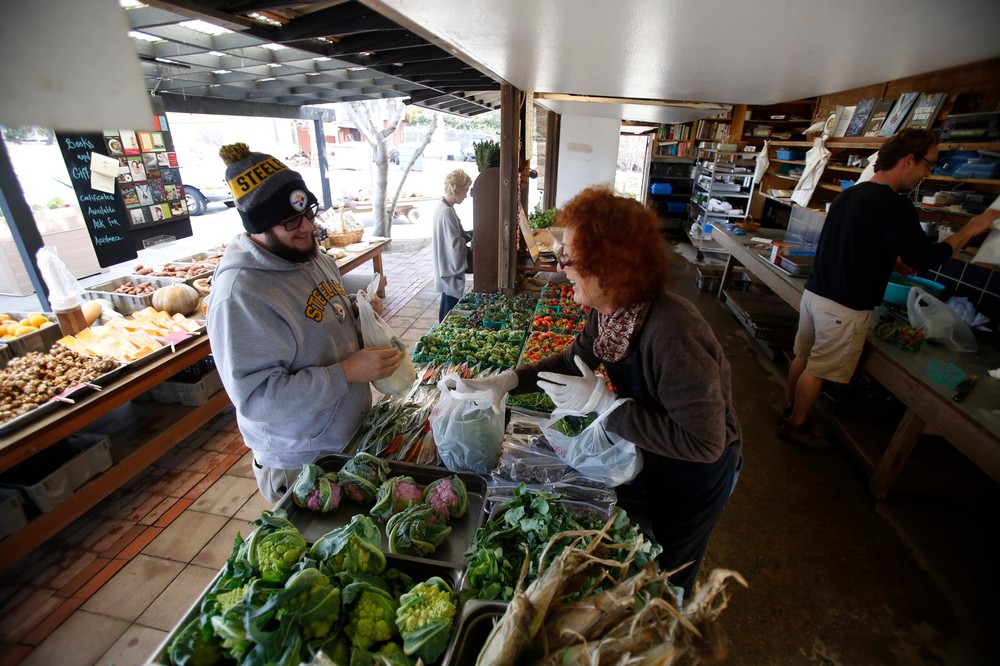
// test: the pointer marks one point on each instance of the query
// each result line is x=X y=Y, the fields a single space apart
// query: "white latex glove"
x=499 y=385
x=582 y=395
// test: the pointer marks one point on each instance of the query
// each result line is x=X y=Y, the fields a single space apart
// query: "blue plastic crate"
x=676 y=207
x=661 y=188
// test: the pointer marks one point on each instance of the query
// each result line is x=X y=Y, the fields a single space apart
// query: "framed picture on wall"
x=158 y=144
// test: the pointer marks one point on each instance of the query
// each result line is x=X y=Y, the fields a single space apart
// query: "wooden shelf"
x=838 y=167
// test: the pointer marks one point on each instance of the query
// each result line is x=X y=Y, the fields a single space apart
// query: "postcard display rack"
x=147 y=198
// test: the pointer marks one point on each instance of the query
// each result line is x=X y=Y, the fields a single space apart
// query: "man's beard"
x=275 y=246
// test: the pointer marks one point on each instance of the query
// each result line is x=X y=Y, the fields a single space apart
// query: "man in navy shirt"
x=870 y=231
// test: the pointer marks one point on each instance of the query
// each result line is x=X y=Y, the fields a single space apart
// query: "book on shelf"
x=844 y=120
x=925 y=111
x=862 y=113
x=898 y=115
x=779 y=194
x=881 y=111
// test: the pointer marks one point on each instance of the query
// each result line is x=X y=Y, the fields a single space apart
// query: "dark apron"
x=682 y=499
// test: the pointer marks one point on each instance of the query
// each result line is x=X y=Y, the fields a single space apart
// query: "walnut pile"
x=34 y=378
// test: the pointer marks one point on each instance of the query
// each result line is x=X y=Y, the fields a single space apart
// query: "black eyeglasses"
x=927 y=162
x=294 y=222
x=563 y=262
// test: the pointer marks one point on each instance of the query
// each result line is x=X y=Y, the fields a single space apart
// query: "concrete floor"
x=835 y=577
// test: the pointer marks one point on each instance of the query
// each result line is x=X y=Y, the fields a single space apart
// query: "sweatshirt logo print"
x=321 y=296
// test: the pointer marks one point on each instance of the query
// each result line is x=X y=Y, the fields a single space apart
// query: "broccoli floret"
x=372 y=619
x=424 y=619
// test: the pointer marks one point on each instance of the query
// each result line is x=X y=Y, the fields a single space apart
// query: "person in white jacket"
x=449 y=242
x=283 y=328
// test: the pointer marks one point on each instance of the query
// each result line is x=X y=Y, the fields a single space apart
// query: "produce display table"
x=972 y=426
x=373 y=253
x=22 y=444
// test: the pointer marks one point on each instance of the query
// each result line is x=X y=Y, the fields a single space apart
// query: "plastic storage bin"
x=50 y=477
x=661 y=188
x=790 y=154
x=189 y=391
x=676 y=207
x=93 y=456
x=12 y=516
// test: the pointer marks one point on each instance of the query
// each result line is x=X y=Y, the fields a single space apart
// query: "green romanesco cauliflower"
x=274 y=547
x=227 y=600
x=424 y=619
x=372 y=619
x=314 y=603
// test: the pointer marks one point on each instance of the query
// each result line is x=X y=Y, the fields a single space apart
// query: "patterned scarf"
x=615 y=332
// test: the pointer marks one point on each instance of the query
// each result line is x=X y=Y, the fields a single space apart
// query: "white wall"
x=588 y=154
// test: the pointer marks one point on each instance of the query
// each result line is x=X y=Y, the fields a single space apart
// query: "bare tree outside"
x=377 y=120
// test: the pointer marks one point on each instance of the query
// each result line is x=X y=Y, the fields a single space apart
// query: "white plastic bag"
x=989 y=251
x=467 y=427
x=596 y=453
x=938 y=321
x=762 y=163
x=376 y=333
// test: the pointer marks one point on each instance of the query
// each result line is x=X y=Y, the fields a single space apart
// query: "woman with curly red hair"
x=661 y=355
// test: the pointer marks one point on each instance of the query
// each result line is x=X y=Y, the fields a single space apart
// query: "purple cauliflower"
x=447 y=497
x=394 y=495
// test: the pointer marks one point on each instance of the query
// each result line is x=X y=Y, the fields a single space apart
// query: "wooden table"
x=21 y=444
x=373 y=253
x=972 y=426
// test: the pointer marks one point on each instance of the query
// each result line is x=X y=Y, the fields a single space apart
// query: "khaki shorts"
x=273 y=482
x=831 y=337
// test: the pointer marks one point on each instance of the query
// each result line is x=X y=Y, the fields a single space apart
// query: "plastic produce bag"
x=989 y=251
x=939 y=321
x=467 y=427
x=762 y=163
x=595 y=453
x=376 y=333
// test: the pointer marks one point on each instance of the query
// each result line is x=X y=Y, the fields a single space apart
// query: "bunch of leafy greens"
x=520 y=530
x=542 y=219
x=572 y=425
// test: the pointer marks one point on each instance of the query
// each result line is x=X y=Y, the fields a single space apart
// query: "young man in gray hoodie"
x=283 y=328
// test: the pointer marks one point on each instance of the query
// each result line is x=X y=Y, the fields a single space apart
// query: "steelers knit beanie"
x=265 y=190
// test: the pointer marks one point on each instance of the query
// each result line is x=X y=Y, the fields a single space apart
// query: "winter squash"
x=176 y=298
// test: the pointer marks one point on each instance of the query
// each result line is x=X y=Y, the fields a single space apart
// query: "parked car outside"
x=204 y=177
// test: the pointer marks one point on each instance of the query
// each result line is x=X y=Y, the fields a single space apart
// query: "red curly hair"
x=617 y=240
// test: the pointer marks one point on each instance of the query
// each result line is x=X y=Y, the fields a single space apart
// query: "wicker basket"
x=344 y=238
x=748 y=224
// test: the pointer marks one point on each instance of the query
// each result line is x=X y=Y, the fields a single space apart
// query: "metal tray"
x=40 y=340
x=19 y=422
x=475 y=622
x=100 y=381
x=207 y=258
x=127 y=303
x=451 y=553
x=417 y=569
x=189 y=280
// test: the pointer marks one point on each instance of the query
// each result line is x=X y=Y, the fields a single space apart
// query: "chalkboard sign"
x=104 y=213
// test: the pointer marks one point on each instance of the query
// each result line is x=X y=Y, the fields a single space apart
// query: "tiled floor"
x=110 y=588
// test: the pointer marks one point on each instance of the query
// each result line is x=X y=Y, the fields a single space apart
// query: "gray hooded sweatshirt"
x=449 y=251
x=279 y=331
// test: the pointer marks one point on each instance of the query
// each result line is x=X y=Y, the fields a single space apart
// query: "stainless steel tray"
x=32 y=415
x=417 y=569
x=39 y=341
x=475 y=622
x=126 y=304
x=451 y=553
